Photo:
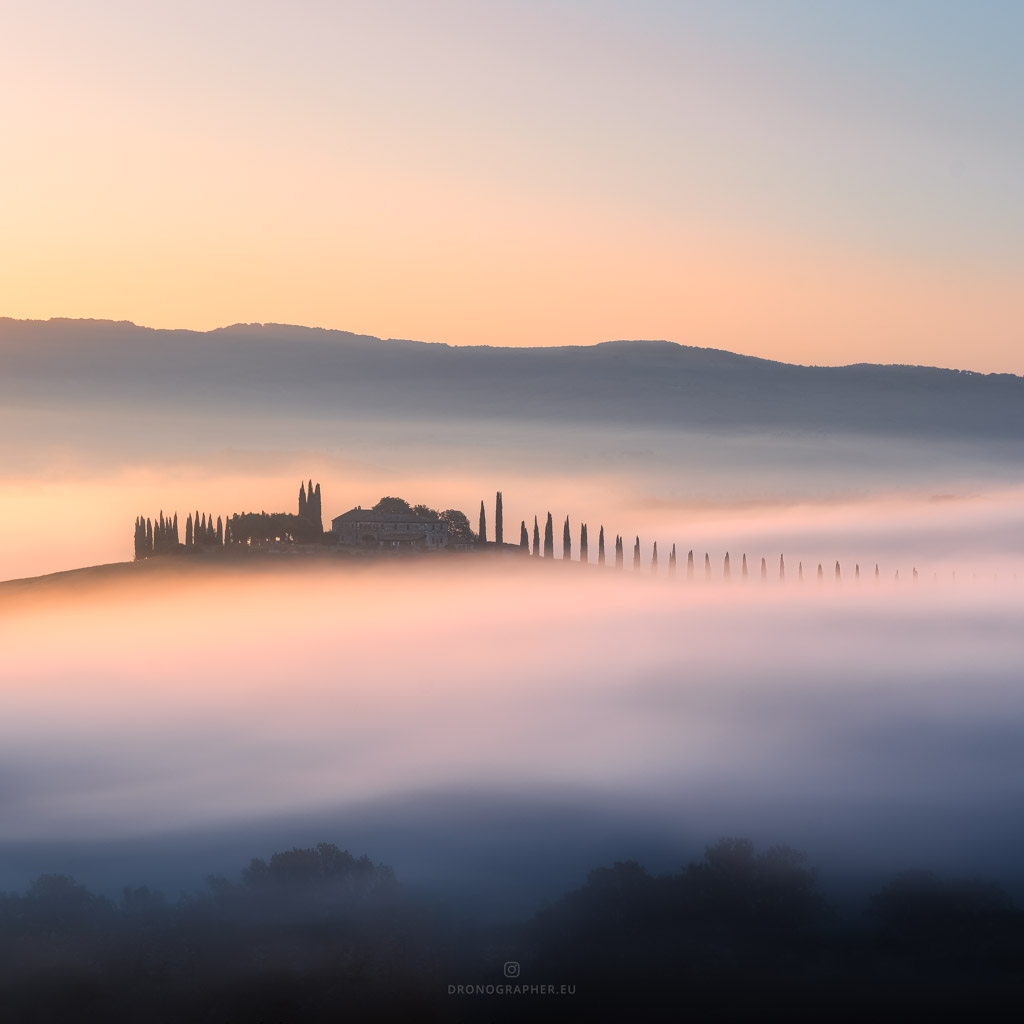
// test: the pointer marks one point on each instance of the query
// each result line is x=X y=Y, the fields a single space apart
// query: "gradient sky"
x=819 y=183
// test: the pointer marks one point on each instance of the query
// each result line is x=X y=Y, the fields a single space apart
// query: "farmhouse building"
x=390 y=531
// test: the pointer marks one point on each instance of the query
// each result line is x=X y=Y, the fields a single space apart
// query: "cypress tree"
x=743 y=568
x=726 y=570
x=302 y=500
x=584 y=546
x=174 y=530
x=636 y=554
x=313 y=509
x=654 y=558
x=188 y=531
x=707 y=567
x=915 y=575
x=549 y=538
x=856 y=572
x=672 y=561
x=499 y=522
x=689 y=565
x=149 y=537
x=566 y=541
x=220 y=531
x=524 y=537
x=211 y=534
x=782 y=569
x=536 y=538
x=764 y=570
x=619 y=557
x=877 y=576
x=838 y=576
x=202 y=529
x=821 y=573
x=800 y=572
x=600 y=547
x=483 y=524
x=137 y=540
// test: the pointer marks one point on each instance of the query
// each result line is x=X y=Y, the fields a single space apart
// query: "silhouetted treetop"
x=393 y=505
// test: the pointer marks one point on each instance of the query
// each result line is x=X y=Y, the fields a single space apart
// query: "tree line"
x=202 y=534
x=546 y=549
x=736 y=934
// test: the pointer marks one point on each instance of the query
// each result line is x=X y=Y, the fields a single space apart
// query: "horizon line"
x=502 y=348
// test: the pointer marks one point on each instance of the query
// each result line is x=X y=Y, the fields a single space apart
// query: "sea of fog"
x=496 y=727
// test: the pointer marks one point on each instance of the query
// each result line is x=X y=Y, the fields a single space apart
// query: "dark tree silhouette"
x=636 y=554
x=482 y=532
x=220 y=531
x=149 y=537
x=584 y=547
x=459 y=530
x=689 y=564
x=672 y=561
x=821 y=573
x=140 y=539
x=856 y=572
x=726 y=569
x=394 y=506
x=764 y=569
x=302 y=500
x=877 y=576
x=782 y=569
x=600 y=546
x=549 y=538
x=654 y=558
x=619 y=554
x=743 y=570
x=566 y=540
x=536 y=538
x=838 y=576
x=317 y=513
x=524 y=537
x=707 y=566
x=800 y=572
x=188 y=531
x=499 y=522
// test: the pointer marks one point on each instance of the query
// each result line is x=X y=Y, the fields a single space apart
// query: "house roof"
x=368 y=515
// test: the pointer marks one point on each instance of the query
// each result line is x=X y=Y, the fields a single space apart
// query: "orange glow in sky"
x=835 y=189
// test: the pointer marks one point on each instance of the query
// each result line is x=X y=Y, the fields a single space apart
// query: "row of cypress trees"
x=160 y=537
x=156 y=538
x=584 y=551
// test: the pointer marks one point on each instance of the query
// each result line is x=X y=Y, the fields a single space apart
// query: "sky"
x=816 y=183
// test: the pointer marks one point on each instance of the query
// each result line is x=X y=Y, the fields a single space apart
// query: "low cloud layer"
x=874 y=724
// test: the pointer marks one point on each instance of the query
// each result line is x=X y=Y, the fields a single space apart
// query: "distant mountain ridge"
x=283 y=368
